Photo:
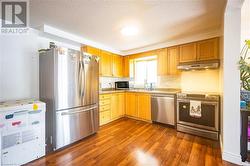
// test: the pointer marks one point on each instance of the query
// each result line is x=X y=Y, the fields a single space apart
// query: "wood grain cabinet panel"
x=117 y=105
x=144 y=106
x=105 y=117
x=208 y=49
x=188 y=52
x=117 y=66
x=121 y=101
x=162 y=62
x=106 y=63
x=104 y=108
x=126 y=66
x=131 y=101
x=173 y=61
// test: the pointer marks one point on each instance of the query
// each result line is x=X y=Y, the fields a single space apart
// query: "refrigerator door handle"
x=75 y=112
x=84 y=81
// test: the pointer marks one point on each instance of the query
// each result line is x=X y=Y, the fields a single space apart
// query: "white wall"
x=19 y=75
x=245 y=21
x=231 y=101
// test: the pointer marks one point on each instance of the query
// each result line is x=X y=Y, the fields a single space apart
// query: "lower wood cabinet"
x=104 y=108
x=117 y=105
x=131 y=109
x=138 y=105
x=144 y=106
x=111 y=107
x=105 y=117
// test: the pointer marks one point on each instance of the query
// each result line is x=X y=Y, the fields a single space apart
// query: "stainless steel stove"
x=205 y=125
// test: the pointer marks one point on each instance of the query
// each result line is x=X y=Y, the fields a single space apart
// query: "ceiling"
x=101 y=21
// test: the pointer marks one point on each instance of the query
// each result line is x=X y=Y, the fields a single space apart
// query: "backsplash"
x=162 y=82
x=190 y=81
x=109 y=82
x=168 y=82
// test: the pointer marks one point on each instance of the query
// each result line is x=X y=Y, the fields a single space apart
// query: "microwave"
x=122 y=85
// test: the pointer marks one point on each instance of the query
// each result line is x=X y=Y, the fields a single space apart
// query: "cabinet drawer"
x=105 y=117
x=104 y=102
x=106 y=96
x=104 y=108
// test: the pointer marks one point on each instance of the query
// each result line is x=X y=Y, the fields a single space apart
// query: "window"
x=145 y=71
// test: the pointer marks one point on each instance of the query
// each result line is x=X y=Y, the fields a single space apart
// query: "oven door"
x=209 y=115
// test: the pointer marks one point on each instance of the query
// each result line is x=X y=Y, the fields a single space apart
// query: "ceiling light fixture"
x=129 y=31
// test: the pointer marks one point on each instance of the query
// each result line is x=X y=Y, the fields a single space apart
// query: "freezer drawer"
x=163 y=109
x=75 y=124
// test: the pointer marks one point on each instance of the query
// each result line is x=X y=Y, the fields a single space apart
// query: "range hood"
x=199 y=65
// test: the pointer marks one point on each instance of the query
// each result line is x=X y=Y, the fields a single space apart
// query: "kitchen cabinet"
x=104 y=108
x=167 y=61
x=144 y=106
x=126 y=66
x=106 y=63
x=117 y=66
x=138 y=105
x=131 y=104
x=162 y=62
x=91 y=50
x=173 y=61
x=188 y=52
x=117 y=105
x=208 y=49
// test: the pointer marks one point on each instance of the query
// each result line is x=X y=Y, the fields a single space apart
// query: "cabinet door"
x=126 y=66
x=131 y=104
x=173 y=60
x=121 y=101
x=188 y=52
x=162 y=62
x=208 y=49
x=117 y=66
x=144 y=106
x=104 y=117
x=114 y=106
x=106 y=63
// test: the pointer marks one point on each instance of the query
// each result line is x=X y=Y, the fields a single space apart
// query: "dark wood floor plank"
x=131 y=142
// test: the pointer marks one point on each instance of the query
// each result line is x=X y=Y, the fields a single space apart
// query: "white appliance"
x=22 y=131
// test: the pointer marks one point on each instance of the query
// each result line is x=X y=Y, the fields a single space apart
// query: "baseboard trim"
x=232 y=158
x=131 y=117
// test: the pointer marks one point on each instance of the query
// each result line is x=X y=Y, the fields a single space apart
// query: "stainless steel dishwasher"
x=163 y=109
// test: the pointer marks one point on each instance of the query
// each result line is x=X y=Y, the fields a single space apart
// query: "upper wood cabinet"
x=200 y=51
x=173 y=60
x=162 y=62
x=106 y=63
x=168 y=60
x=188 y=52
x=91 y=50
x=208 y=49
x=126 y=66
x=144 y=106
x=117 y=65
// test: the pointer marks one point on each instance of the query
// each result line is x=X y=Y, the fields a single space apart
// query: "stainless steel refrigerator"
x=69 y=85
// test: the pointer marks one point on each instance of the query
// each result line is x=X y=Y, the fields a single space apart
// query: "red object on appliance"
x=16 y=123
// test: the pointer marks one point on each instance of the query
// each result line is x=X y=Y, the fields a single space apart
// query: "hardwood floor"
x=131 y=142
